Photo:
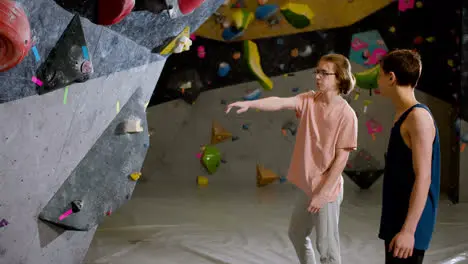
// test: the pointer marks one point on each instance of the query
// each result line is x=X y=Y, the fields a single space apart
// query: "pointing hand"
x=242 y=105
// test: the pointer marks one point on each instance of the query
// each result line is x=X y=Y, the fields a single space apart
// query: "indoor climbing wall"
x=394 y=25
x=201 y=146
x=462 y=124
x=254 y=19
x=75 y=81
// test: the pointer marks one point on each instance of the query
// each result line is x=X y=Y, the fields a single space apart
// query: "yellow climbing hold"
x=419 y=4
x=135 y=176
x=202 y=180
x=392 y=29
x=241 y=19
x=253 y=61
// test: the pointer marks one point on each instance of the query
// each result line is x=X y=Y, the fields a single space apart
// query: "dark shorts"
x=417 y=258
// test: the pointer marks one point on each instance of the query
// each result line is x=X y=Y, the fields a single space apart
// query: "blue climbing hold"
x=266 y=11
x=283 y=180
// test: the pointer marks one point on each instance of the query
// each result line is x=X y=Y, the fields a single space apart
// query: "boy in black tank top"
x=412 y=164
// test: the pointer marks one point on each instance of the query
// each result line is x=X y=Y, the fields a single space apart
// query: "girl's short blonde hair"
x=346 y=79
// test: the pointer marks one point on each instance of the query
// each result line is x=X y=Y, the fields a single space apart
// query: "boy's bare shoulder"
x=419 y=119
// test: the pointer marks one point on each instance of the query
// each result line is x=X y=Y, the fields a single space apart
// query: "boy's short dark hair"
x=405 y=64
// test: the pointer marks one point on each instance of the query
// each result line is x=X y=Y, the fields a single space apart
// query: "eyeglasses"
x=323 y=73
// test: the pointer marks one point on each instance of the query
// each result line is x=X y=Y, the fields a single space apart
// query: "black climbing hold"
x=364 y=178
x=180 y=79
x=66 y=63
x=77 y=206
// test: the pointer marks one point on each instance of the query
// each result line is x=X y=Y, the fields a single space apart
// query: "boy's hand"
x=242 y=105
x=317 y=202
x=402 y=245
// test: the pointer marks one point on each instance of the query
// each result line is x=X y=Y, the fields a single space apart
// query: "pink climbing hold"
x=201 y=52
x=193 y=37
x=375 y=57
x=199 y=155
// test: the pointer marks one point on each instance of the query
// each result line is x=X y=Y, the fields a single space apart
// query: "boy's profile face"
x=385 y=81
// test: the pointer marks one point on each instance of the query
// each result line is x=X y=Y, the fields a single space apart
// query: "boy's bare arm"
x=421 y=131
x=334 y=172
x=268 y=104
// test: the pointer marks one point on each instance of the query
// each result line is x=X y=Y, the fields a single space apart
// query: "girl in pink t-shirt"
x=326 y=134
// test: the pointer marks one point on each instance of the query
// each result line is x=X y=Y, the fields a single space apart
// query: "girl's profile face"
x=325 y=76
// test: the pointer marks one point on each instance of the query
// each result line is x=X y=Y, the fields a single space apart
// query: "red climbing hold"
x=187 y=6
x=15 y=34
x=113 y=11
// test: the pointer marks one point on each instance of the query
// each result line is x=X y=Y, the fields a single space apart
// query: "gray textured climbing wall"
x=44 y=138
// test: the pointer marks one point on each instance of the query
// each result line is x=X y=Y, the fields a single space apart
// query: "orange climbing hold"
x=265 y=176
x=219 y=133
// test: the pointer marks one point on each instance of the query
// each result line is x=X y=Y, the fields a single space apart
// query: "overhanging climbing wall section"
x=102 y=180
x=287 y=18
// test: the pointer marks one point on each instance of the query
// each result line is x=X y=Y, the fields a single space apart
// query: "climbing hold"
x=367 y=48
x=254 y=95
x=223 y=69
x=306 y=52
x=253 y=60
x=234 y=138
x=279 y=41
x=211 y=159
x=15 y=34
x=264 y=12
x=202 y=180
x=392 y=29
x=65 y=63
x=419 y=4
x=450 y=63
x=245 y=127
x=266 y=176
x=135 y=176
x=404 y=5
x=236 y=55
x=3 y=223
x=241 y=19
x=294 y=53
x=295 y=90
x=291 y=127
x=281 y=66
x=430 y=39
x=366 y=104
x=365 y=169
x=298 y=15
x=183 y=44
x=77 y=205
x=418 y=40
x=219 y=133
x=177 y=42
x=113 y=11
x=187 y=6
x=132 y=126
x=368 y=78
x=193 y=37
x=201 y=52
x=231 y=33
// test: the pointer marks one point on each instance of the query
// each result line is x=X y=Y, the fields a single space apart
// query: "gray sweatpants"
x=326 y=224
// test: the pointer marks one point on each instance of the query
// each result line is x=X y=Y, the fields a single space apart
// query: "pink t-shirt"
x=322 y=130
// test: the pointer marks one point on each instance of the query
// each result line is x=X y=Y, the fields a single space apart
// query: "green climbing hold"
x=298 y=15
x=211 y=159
x=368 y=79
